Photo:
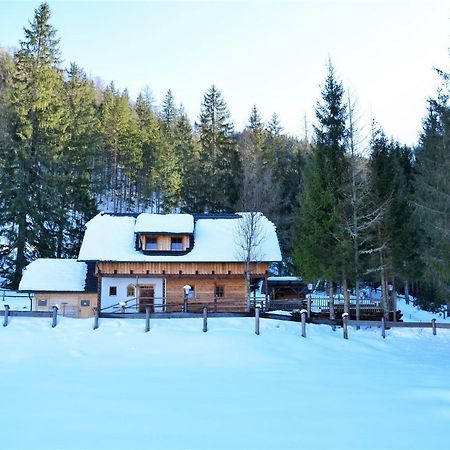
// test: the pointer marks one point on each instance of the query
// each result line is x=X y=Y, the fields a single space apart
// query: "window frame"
x=151 y=240
x=129 y=287
x=112 y=289
x=219 y=286
x=178 y=244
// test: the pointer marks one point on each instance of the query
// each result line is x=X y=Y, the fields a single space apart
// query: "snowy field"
x=177 y=387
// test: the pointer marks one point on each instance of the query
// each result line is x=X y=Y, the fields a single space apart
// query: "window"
x=220 y=291
x=176 y=243
x=85 y=303
x=151 y=243
x=130 y=290
x=192 y=292
x=113 y=290
x=42 y=302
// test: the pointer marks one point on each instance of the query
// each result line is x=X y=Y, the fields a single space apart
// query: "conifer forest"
x=350 y=207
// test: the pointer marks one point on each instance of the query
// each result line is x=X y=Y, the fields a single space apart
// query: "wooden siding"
x=164 y=241
x=69 y=304
x=234 y=294
x=140 y=268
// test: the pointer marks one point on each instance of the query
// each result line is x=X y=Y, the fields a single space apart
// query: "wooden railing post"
x=383 y=327
x=147 y=319
x=308 y=306
x=185 y=305
x=205 y=319
x=303 y=313
x=5 y=318
x=96 y=315
x=54 y=316
x=345 y=324
x=433 y=325
x=257 y=309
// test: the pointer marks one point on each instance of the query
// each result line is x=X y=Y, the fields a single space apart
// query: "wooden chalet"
x=172 y=262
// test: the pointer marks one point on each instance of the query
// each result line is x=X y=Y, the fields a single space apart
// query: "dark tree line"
x=70 y=147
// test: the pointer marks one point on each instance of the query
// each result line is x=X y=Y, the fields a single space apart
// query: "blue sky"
x=271 y=54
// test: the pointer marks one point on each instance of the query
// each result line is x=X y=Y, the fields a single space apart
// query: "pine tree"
x=38 y=132
x=432 y=194
x=74 y=188
x=122 y=150
x=219 y=169
x=323 y=248
x=168 y=111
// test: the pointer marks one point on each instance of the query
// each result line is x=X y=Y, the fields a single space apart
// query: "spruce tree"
x=323 y=249
x=220 y=167
x=432 y=194
x=38 y=132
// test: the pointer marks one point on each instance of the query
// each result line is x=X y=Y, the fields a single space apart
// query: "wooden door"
x=146 y=297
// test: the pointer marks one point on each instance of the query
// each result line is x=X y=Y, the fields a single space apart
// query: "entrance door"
x=146 y=297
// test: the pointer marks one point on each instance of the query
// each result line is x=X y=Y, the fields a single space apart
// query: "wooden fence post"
x=185 y=305
x=303 y=313
x=54 y=316
x=345 y=324
x=96 y=314
x=433 y=325
x=308 y=306
x=5 y=318
x=383 y=327
x=257 y=320
x=205 y=319
x=147 y=319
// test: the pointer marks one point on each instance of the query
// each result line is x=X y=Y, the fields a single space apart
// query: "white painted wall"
x=122 y=283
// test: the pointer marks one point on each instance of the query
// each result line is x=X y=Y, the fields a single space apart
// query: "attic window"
x=130 y=290
x=176 y=243
x=151 y=243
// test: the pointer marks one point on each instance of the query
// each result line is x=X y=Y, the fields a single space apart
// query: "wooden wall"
x=165 y=241
x=234 y=298
x=140 y=268
x=69 y=304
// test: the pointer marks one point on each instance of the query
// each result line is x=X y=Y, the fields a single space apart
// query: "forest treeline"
x=70 y=147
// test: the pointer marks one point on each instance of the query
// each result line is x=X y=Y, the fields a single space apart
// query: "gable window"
x=112 y=290
x=220 y=291
x=130 y=290
x=151 y=243
x=176 y=243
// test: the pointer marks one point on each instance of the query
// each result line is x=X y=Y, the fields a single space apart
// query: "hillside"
x=177 y=387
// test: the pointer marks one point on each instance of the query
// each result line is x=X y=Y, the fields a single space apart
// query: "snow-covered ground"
x=17 y=301
x=176 y=387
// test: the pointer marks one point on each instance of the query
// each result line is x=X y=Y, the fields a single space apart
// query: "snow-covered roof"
x=112 y=238
x=164 y=223
x=57 y=275
x=283 y=279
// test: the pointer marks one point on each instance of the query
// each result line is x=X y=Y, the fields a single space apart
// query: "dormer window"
x=151 y=243
x=176 y=243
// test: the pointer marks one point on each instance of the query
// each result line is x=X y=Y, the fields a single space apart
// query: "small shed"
x=286 y=288
x=67 y=283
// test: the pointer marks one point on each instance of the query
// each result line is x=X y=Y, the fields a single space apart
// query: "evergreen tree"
x=219 y=169
x=122 y=150
x=168 y=111
x=323 y=249
x=38 y=131
x=432 y=194
x=74 y=188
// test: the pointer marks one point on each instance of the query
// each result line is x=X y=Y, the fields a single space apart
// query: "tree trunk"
x=346 y=294
x=358 y=312
x=331 y=302
x=407 y=292
x=20 y=255
x=384 y=294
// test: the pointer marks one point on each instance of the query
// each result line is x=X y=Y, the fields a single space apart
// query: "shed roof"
x=58 y=275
